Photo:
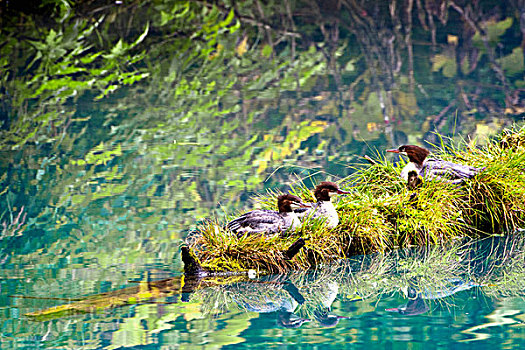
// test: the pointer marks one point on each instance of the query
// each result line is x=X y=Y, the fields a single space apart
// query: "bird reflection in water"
x=293 y=306
x=417 y=305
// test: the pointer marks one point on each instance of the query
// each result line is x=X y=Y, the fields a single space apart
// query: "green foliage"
x=494 y=30
x=445 y=63
x=513 y=63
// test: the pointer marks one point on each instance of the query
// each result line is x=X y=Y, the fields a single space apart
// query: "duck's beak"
x=343 y=192
x=393 y=150
x=304 y=205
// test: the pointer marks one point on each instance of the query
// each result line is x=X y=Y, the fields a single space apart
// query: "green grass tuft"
x=381 y=214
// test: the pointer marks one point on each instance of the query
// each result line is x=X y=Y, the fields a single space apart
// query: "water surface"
x=439 y=297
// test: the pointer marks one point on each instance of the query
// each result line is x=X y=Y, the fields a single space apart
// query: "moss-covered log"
x=382 y=213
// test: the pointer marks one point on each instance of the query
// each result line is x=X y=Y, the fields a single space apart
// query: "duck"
x=432 y=168
x=268 y=221
x=323 y=208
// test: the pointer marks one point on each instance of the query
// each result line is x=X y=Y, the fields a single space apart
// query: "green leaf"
x=117 y=51
x=235 y=27
x=90 y=58
x=350 y=67
x=108 y=90
x=165 y=18
x=37 y=57
x=228 y=19
x=513 y=64
x=185 y=9
x=50 y=39
x=267 y=50
x=446 y=63
x=141 y=37
x=134 y=78
x=38 y=45
x=494 y=31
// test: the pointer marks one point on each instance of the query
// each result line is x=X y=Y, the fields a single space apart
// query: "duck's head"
x=327 y=319
x=288 y=202
x=325 y=189
x=413 y=307
x=414 y=153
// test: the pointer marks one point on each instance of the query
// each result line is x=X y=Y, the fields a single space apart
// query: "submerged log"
x=343 y=277
x=144 y=292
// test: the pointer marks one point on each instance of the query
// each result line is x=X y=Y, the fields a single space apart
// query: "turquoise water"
x=107 y=165
x=400 y=300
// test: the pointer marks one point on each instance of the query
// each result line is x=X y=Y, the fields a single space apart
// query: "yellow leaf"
x=514 y=110
x=262 y=166
x=216 y=52
x=320 y=123
x=242 y=47
x=371 y=127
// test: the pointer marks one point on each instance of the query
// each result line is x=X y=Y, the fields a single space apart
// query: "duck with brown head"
x=324 y=208
x=268 y=221
x=432 y=168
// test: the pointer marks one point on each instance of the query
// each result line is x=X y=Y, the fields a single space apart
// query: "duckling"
x=414 y=180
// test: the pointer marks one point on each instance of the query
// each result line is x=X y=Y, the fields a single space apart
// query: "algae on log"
x=382 y=214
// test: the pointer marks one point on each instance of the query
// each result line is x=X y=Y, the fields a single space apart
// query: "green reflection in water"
x=444 y=296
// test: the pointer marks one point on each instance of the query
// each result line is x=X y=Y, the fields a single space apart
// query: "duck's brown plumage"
x=323 y=190
x=414 y=153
